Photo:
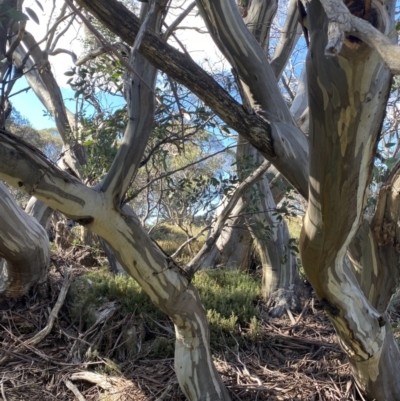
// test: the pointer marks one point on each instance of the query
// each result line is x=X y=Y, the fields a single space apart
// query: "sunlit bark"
x=346 y=113
x=347 y=96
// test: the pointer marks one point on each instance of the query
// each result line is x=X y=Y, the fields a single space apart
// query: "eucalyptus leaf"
x=32 y=15
x=17 y=15
x=39 y=5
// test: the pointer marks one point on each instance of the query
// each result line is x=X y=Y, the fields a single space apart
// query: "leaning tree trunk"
x=347 y=105
x=24 y=245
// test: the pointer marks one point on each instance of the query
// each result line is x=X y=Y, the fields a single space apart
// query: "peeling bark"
x=346 y=113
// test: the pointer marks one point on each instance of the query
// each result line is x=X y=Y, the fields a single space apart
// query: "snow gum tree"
x=350 y=62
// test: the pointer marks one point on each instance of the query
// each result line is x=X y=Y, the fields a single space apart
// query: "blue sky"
x=30 y=107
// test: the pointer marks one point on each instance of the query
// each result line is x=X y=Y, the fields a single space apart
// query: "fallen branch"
x=38 y=337
x=105 y=382
x=71 y=386
x=114 y=386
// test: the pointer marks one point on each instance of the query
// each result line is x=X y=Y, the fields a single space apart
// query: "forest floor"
x=44 y=357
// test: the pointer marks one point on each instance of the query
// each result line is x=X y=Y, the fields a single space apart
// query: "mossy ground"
x=230 y=298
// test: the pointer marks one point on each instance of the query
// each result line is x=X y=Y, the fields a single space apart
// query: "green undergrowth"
x=230 y=298
x=170 y=237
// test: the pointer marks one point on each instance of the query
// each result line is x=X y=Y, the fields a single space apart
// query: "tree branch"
x=167 y=174
x=184 y=70
x=341 y=21
x=175 y=23
x=195 y=263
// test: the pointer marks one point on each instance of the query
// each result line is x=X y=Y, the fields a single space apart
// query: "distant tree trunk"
x=86 y=237
x=40 y=211
x=115 y=266
x=24 y=245
x=233 y=249
x=271 y=238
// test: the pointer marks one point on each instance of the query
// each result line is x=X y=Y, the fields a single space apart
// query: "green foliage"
x=7 y=12
x=96 y=288
x=229 y=293
x=229 y=297
x=170 y=237
x=294 y=226
x=101 y=142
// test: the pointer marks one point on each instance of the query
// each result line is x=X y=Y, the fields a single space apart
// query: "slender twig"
x=187 y=242
x=195 y=263
x=174 y=24
x=71 y=386
x=167 y=174
x=109 y=47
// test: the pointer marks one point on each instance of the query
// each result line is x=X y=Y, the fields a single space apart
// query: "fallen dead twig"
x=71 y=386
x=38 y=337
x=3 y=394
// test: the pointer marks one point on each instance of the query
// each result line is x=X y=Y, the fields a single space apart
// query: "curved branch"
x=184 y=70
x=341 y=21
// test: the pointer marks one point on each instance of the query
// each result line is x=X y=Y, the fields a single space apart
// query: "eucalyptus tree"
x=350 y=63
